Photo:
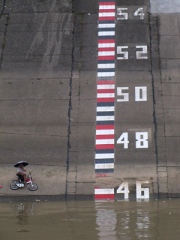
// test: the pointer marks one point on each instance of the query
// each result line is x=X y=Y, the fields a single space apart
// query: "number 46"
x=141 y=193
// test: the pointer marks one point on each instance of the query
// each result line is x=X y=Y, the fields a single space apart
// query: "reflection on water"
x=123 y=227
x=123 y=220
x=142 y=225
x=24 y=211
x=106 y=220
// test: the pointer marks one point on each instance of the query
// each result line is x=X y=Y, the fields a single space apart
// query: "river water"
x=81 y=220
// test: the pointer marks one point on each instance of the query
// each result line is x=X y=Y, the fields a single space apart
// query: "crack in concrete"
x=3 y=8
x=79 y=90
x=153 y=94
x=5 y=31
x=69 y=188
x=70 y=108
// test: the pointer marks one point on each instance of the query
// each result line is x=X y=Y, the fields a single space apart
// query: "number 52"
x=141 y=52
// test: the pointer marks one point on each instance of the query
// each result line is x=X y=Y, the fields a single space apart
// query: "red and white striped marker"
x=104 y=194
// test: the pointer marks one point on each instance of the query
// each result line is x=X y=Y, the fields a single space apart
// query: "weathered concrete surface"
x=47 y=93
x=48 y=70
x=166 y=92
x=165 y=6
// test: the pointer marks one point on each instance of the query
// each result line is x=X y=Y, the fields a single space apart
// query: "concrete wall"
x=48 y=71
x=167 y=103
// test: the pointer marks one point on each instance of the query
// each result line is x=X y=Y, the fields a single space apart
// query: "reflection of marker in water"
x=106 y=220
x=0 y=186
x=104 y=194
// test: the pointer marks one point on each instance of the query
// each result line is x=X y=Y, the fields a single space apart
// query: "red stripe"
x=105 y=99
x=107 y=18
x=106 y=49
x=106 y=91
x=105 y=146
x=106 y=82
x=106 y=57
x=106 y=10
x=106 y=41
x=101 y=174
x=102 y=3
x=110 y=136
x=105 y=127
x=104 y=196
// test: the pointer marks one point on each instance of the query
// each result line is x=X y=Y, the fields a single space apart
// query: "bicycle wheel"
x=13 y=186
x=32 y=186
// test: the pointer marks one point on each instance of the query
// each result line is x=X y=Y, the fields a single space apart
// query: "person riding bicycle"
x=21 y=173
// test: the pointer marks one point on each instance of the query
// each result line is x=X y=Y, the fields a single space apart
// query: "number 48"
x=141 y=139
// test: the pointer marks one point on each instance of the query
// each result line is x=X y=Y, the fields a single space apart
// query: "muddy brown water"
x=81 y=220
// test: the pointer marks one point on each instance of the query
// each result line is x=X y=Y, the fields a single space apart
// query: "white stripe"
x=106 y=53
x=104 y=191
x=106 y=25
x=106 y=74
x=106 y=33
x=105 y=95
x=104 y=166
x=106 y=65
x=104 y=132
x=105 y=109
x=106 y=86
x=106 y=45
x=104 y=156
x=107 y=14
x=105 y=118
x=107 y=7
x=104 y=141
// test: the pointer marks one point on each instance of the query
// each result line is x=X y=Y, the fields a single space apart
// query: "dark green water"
x=83 y=220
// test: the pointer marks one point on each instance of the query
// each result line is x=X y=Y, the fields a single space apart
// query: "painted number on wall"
x=141 y=139
x=141 y=193
x=140 y=94
x=141 y=52
x=123 y=13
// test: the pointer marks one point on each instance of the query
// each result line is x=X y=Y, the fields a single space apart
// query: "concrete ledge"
x=44 y=198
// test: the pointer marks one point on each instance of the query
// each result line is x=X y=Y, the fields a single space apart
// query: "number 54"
x=122 y=13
